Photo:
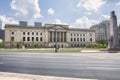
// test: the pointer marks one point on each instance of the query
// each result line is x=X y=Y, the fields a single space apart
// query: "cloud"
x=51 y=11
x=104 y=17
x=84 y=22
x=58 y=21
x=91 y=5
x=7 y=20
x=26 y=8
x=87 y=13
x=118 y=3
x=118 y=21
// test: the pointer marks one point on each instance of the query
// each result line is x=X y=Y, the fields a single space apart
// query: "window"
x=90 y=39
x=36 y=38
x=36 y=33
x=28 y=38
x=54 y=39
x=83 y=34
x=51 y=39
x=74 y=34
x=80 y=39
x=28 y=33
x=41 y=39
x=23 y=38
x=23 y=33
x=12 y=38
x=77 y=34
x=40 y=33
x=83 y=39
x=32 y=33
x=12 y=33
x=71 y=39
x=77 y=39
x=32 y=38
x=61 y=39
x=74 y=39
x=57 y=39
x=90 y=34
x=71 y=34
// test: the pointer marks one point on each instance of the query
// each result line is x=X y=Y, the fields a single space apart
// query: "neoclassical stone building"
x=48 y=35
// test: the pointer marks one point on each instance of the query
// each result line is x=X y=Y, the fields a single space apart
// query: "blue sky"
x=76 y=13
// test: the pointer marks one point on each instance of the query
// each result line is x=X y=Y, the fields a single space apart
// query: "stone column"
x=52 y=36
x=60 y=36
x=49 y=36
x=113 y=40
x=65 y=36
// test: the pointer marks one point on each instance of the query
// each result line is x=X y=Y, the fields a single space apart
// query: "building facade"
x=48 y=35
x=1 y=35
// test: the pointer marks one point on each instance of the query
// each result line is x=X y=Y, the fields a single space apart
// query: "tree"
x=2 y=44
x=101 y=44
x=20 y=44
x=12 y=44
x=90 y=46
x=32 y=44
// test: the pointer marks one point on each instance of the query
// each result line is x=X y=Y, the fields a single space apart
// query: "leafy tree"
x=32 y=44
x=90 y=46
x=101 y=44
x=2 y=44
x=12 y=44
x=20 y=44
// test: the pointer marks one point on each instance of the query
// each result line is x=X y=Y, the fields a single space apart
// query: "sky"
x=75 y=13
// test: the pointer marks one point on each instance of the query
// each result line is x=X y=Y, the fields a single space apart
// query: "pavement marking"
x=103 y=68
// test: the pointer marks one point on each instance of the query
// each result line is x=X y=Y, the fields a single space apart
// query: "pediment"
x=59 y=27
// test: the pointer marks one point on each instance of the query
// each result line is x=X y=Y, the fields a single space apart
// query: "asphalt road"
x=79 y=65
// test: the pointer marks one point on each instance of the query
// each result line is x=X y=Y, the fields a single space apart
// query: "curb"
x=17 y=76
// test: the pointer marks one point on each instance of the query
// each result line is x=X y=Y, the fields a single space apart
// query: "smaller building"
x=0 y=24
x=37 y=24
x=1 y=35
x=102 y=30
x=23 y=23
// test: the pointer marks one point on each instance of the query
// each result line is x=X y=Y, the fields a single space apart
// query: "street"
x=100 y=66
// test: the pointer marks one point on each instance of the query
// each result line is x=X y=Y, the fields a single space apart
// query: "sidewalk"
x=16 y=76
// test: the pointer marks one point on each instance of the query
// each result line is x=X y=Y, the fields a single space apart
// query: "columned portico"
x=61 y=36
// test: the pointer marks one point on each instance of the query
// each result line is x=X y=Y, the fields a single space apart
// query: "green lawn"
x=43 y=50
x=69 y=50
x=47 y=50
